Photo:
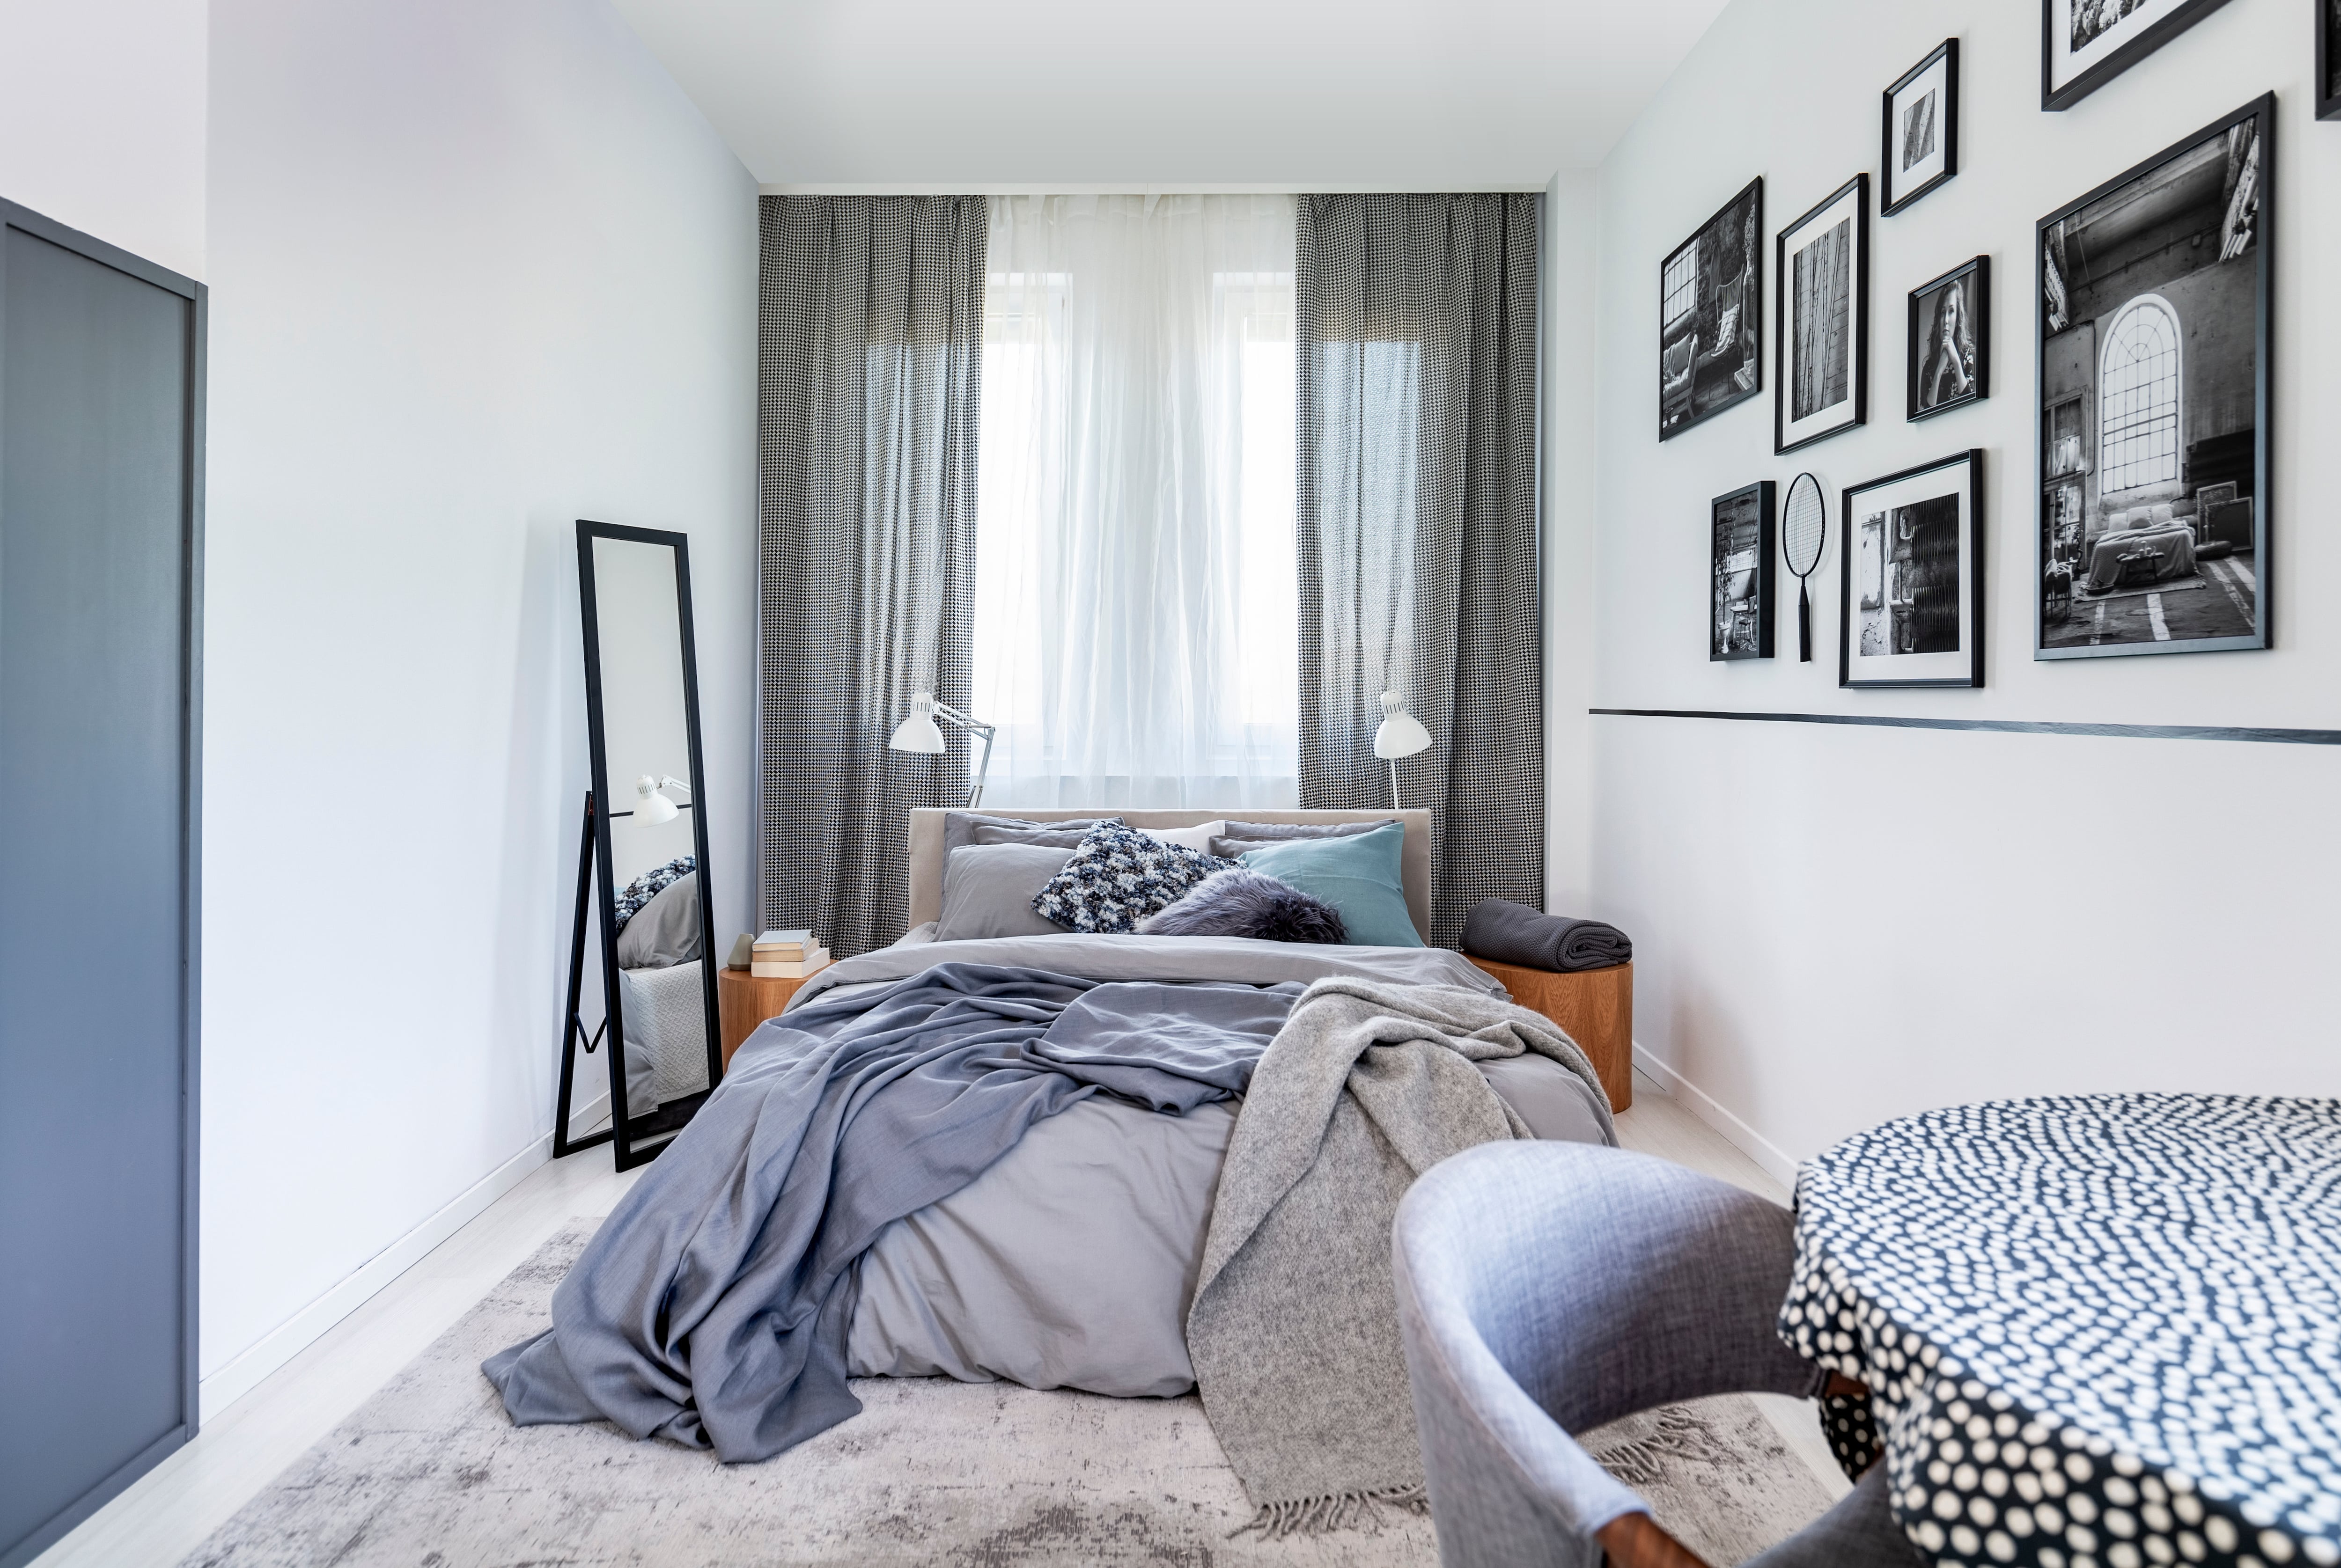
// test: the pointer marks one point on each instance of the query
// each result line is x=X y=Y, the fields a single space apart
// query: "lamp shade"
x=919 y=732
x=1401 y=734
x=650 y=805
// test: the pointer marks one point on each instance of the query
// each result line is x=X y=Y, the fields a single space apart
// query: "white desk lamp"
x=918 y=733
x=652 y=807
x=1400 y=735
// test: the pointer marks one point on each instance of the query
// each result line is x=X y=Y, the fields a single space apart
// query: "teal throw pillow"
x=1358 y=875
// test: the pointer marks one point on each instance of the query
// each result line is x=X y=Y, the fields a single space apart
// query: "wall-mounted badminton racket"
x=1804 y=528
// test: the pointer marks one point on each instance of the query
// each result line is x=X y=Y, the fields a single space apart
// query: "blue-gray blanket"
x=711 y=1308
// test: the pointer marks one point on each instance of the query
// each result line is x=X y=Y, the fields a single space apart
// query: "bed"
x=1072 y=1259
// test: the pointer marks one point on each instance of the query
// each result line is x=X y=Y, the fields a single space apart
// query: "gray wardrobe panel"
x=95 y=530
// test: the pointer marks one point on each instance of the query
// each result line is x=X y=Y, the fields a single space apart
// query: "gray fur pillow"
x=1241 y=903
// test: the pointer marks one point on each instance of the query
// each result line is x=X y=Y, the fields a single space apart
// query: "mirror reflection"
x=653 y=913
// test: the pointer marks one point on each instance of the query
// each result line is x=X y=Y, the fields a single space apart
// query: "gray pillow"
x=989 y=889
x=1069 y=839
x=665 y=931
x=959 y=828
x=1243 y=838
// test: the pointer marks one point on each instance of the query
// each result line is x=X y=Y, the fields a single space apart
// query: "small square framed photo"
x=1921 y=148
x=1824 y=310
x=1911 y=603
x=1950 y=340
x=2085 y=44
x=1739 y=574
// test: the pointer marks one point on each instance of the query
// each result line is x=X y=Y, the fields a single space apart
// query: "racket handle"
x=1804 y=626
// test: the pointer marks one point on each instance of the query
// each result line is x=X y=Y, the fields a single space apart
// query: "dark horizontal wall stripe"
x=2010 y=726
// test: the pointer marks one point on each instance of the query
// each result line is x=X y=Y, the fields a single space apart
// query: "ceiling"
x=1293 y=95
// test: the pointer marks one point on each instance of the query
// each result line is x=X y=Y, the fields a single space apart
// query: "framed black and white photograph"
x=2328 y=59
x=2155 y=302
x=1712 y=316
x=1921 y=148
x=1824 y=332
x=1739 y=574
x=2085 y=44
x=1950 y=340
x=1910 y=608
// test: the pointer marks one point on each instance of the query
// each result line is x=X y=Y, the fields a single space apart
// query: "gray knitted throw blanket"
x=1293 y=1330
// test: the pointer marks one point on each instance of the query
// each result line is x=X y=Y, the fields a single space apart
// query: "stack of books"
x=786 y=956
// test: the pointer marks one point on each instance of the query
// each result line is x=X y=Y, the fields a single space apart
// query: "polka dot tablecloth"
x=2100 y=1331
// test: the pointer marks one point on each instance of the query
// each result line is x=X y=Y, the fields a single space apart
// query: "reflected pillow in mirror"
x=665 y=931
x=989 y=889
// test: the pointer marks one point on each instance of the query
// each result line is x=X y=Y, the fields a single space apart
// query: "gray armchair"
x=1546 y=1288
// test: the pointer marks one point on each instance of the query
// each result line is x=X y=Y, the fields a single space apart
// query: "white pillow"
x=1199 y=836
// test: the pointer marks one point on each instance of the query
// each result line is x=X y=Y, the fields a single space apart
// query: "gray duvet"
x=1071 y=1262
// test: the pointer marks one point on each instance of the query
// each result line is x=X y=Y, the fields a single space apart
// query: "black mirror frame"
x=634 y=1140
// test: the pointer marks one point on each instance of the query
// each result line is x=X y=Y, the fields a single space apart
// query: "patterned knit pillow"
x=1118 y=877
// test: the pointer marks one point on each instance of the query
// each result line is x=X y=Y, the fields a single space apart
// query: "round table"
x=2098 y=1331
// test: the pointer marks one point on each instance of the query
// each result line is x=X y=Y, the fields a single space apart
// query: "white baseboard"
x=244 y=1373
x=1708 y=1109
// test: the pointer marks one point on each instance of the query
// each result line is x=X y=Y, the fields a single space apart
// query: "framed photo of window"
x=1712 y=316
x=1949 y=349
x=2154 y=304
x=1921 y=147
x=2085 y=44
x=1824 y=311
x=1739 y=573
x=1910 y=596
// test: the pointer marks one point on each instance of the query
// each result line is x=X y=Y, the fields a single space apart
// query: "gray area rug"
x=430 y=1473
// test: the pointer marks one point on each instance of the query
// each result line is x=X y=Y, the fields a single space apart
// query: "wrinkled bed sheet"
x=1070 y=1262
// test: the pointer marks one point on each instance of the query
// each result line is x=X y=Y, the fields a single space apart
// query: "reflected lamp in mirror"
x=920 y=734
x=652 y=805
x=1401 y=734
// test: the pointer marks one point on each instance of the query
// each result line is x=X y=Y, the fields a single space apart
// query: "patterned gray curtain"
x=871 y=333
x=1417 y=345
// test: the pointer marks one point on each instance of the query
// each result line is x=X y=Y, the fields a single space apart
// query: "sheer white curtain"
x=1135 y=595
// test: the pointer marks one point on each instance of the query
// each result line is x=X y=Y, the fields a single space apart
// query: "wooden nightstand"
x=1595 y=1007
x=743 y=1001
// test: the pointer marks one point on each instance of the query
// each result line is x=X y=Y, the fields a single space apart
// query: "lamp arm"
x=670 y=782
x=973 y=727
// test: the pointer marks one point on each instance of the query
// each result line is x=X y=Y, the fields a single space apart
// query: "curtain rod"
x=1164 y=188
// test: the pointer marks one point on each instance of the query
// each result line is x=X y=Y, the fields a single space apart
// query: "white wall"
x=477 y=271
x=102 y=121
x=1572 y=216
x=1836 y=926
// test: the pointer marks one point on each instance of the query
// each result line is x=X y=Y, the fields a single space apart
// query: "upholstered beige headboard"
x=927 y=845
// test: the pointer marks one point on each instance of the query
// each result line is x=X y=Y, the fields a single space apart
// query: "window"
x=2138 y=397
x=1135 y=607
x=1681 y=284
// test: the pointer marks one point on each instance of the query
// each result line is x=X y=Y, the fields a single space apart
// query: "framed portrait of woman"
x=1950 y=340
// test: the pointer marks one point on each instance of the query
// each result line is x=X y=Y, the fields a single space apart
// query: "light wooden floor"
x=169 y=1511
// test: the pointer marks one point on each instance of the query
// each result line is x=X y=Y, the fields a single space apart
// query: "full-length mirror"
x=643 y=850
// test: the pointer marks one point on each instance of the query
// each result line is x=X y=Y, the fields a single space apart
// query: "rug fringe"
x=1334 y=1511
x=1675 y=1433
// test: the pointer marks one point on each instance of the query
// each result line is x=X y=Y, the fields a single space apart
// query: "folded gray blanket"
x=1509 y=933
x=1293 y=1331
x=712 y=1308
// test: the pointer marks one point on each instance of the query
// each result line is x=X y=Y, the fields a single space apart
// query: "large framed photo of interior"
x=1712 y=316
x=2085 y=44
x=2154 y=315
x=1910 y=604
x=1739 y=573
x=1824 y=330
